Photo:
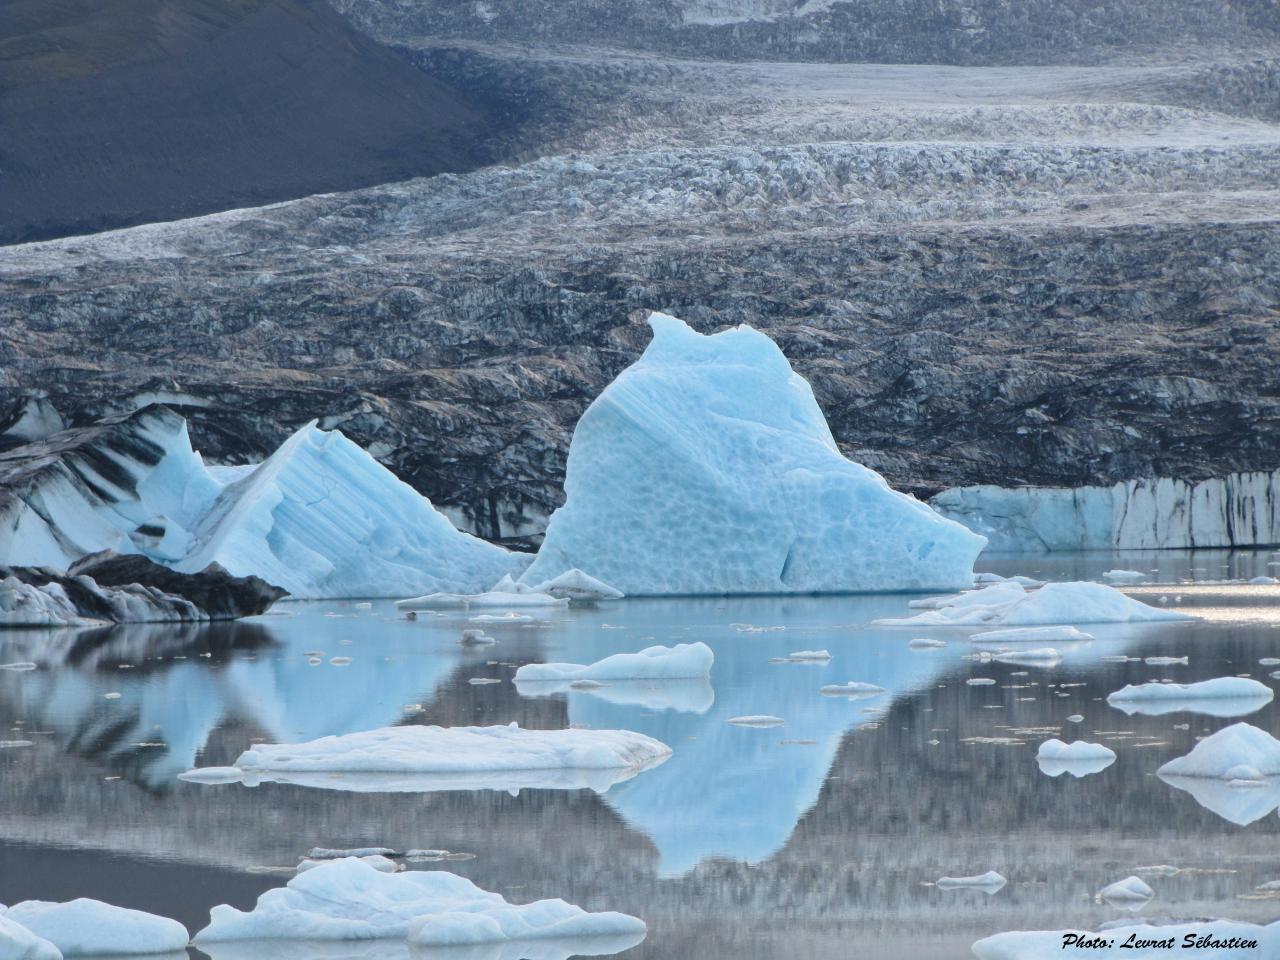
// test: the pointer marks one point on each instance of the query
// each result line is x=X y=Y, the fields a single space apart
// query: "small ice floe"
x=426 y=854
x=14 y=744
x=348 y=900
x=1079 y=759
x=1220 y=697
x=757 y=720
x=340 y=661
x=91 y=927
x=1065 y=634
x=500 y=599
x=1263 y=581
x=1075 y=718
x=483 y=681
x=1131 y=893
x=989 y=883
x=1009 y=604
x=1166 y=661
x=420 y=758
x=1124 y=576
x=338 y=853
x=854 y=690
x=925 y=643
x=1037 y=657
x=803 y=656
x=1268 y=886
x=684 y=661
x=1077 y=944
x=980 y=682
x=574 y=585
x=113 y=695
x=509 y=617
x=1269 y=661
x=377 y=861
x=476 y=638
x=24 y=665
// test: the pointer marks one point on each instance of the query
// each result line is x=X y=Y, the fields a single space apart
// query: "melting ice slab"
x=684 y=661
x=1220 y=697
x=708 y=468
x=1010 y=604
x=449 y=758
x=92 y=928
x=349 y=900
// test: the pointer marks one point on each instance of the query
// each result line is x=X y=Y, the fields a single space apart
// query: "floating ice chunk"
x=1074 y=944
x=461 y=758
x=1124 y=575
x=925 y=643
x=684 y=661
x=1215 y=755
x=1263 y=580
x=1080 y=759
x=989 y=882
x=1064 y=634
x=808 y=656
x=499 y=599
x=1037 y=657
x=1269 y=661
x=350 y=900
x=434 y=601
x=320 y=517
x=1220 y=697
x=705 y=437
x=476 y=638
x=90 y=927
x=576 y=585
x=1075 y=718
x=332 y=853
x=22 y=666
x=980 y=682
x=378 y=862
x=854 y=690
x=1055 y=603
x=1131 y=893
x=213 y=775
x=19 y=943
x=757 y=720
x=1166 y=661
x=510 y=617
x=482 y=681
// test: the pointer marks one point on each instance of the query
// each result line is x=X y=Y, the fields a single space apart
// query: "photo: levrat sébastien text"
x=683 y=480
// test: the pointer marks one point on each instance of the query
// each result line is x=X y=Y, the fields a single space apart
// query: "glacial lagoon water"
x=818 y=838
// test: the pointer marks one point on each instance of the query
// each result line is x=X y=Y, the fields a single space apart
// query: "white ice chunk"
x=1063 y=634
x=757 y=720
x=989 y=882
x=854 y=689
x=684 y=661
x=1055 y=603
x=707 y=468
x=334 y=853
x=1037 y=657
x=19 y=943
x=377 y=861
x=460 y=758
x=1131 y=893
x=1079 y=759
x=322 y=518
x=1237 y=744
x=350 y=900
x=1220 y=697
x=90 y=927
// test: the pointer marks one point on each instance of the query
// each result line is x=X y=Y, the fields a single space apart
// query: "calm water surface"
x=819 y=838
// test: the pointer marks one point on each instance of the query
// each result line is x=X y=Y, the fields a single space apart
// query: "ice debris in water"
x=476 y=638
x=335 y=853
x=804 y=656
x=1061 y=634
x=1079 y=759
x=1037 y=657
x=925 y=643
x=1219 y=697
x=350 y=900
x=22 y=666
x=704 y=437
x=418 y=757
x=980 y=682
x=1010 y=604
x=757 y=720
x=1166 y=661
x=90 y=927
x=1075 y=718
x=989 y=882
x=854 y=689
x=1216 y=755
x=1131 y=893
x=684 y=661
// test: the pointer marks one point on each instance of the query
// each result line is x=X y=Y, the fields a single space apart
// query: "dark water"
x=819 y=838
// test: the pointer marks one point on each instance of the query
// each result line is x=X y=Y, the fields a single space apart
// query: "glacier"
x=320 y=517
x=1236 y=510
x=707 y=467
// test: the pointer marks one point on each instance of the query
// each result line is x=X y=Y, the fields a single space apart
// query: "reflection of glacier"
x=739 y=792
x=165 y=715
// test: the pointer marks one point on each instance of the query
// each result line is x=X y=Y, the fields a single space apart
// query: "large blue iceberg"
x=707 y=467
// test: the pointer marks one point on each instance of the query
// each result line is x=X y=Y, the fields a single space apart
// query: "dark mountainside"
x=127 y=111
